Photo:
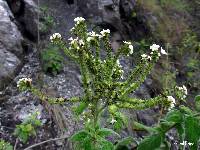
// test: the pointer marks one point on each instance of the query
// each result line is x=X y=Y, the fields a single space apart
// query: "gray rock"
x=10 y=46
x=30 y=17
x=10 y=37
x=26 y=12
x=9 y=65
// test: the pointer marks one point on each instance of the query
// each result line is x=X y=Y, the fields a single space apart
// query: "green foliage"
x=5 y=145
x=104 y=86
x=52 y=60
x=191 y=46
x=151 y=142
x=197 y=102
x=27 y=128
x=140 y=48
x=183 y=119
x=46 y=20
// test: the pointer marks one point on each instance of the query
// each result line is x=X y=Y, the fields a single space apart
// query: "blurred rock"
x=10 y=46
x=26 y=12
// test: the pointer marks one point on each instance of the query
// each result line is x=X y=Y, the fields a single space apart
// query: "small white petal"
x=163 y=51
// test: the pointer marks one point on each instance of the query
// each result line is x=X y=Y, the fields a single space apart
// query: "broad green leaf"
x=104 y=132
x=79 y=109
x=186 y=110
x=174 y=116
x=192 y=131
x=197 y=102
x=151 y=142
x=180 y=130
x=124 y=142
x=87 y=144
x=105 y=145
x=79 y=136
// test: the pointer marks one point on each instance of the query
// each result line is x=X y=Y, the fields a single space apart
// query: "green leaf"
x=174 y=116
x=79 y=109
x=105 y=145
x=104 y=132
x=197 y=102
x=124 y=142
x=186 y=110
x=79 y=136
x=192 y=130
x=180 y=130
x=151 y=142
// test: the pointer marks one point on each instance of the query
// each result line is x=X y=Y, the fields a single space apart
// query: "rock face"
x=26 y=12
x=107 y=13
x=10 y=45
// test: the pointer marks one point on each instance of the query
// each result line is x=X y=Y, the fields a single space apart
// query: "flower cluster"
x=76 y=43
x=92 y=35
x=154 y=52
x=105 y=32
x=78 y=20
x=181 y=92
x=24 y=83
x=129 y=47
x=118 y=71
x=172 y=101
x=55 y=37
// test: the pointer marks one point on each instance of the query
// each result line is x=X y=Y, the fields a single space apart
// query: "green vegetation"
x=46 y=20
x=104 y=90
x=27 y=128
x=52 y=60
x=5 y=145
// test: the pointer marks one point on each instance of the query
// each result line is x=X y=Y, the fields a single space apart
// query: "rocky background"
x=23 y=36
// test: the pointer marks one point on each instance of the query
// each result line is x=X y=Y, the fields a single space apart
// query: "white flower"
x=72 y=29
x=24 y=80
x=90 y=39
x=70 y=39
x=73 y=41
x=81 y=42
x=163 y=51
x=113 y=121
x=125 y=42
x=93 y=34
x=172 y=101
x=149 y=57
x=105 y=32
x=154 y=47
x=118 y=63
x=144 y=56
x=190 y=144
x=184 y=143
x=79 y=19
x=131 y=49
x=185 y=90
x=55 y=36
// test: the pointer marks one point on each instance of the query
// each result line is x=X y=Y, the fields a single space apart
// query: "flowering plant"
x=105 y=88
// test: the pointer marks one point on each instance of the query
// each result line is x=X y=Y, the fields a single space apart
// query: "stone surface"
x=9 y=64
x=26 y=12
x=10 y=37
x=10 y=46
x=30 y=17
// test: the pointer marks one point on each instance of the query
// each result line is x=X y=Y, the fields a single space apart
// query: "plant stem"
x=50 y=140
